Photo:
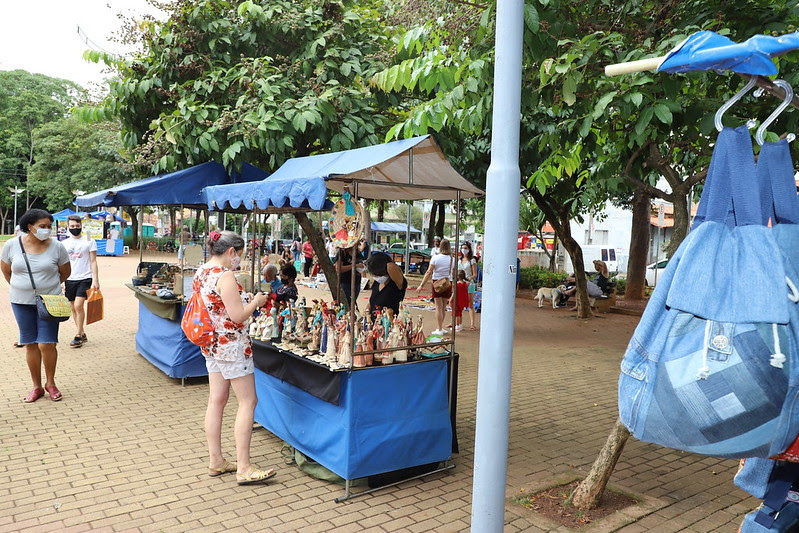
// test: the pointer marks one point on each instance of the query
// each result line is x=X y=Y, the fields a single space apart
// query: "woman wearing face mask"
x=468 y=265
x=389 y=286
x=49 y=265
x=229 y=357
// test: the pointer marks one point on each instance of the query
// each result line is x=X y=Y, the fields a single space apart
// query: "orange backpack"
x=196 y=323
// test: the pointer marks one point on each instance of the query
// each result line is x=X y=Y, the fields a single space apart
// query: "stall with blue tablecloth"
x=362 y=422
x=162 y=342
x=110 y=246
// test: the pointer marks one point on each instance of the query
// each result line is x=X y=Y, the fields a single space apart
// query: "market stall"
x=160 y=287
x=356 y=408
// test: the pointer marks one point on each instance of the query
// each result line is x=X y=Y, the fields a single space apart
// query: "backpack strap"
x=782 y=478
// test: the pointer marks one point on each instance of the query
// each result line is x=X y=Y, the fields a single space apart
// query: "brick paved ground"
x=125 y=449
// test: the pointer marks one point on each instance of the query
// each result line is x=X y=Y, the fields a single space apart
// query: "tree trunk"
x=588 y=493
x=576 y=254
x=367 y=220
x=431 y=225
x=681 y=220
x=381 y=210
x=133 y=212
x=441 y=218
x=173 y=221
x=318 y=244
x=196 y=230
x=639 y=246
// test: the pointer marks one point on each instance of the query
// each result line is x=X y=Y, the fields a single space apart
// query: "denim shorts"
x=32 y=329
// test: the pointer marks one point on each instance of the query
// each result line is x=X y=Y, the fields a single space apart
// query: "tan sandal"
x=226 y=467
x=254 y=476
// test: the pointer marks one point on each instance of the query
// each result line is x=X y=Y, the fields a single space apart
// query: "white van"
x=611 y=255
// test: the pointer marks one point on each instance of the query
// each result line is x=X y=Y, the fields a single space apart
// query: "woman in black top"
x=388 y=289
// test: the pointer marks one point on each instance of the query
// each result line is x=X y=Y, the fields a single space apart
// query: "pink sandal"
x=53 y=391
x=33 y=395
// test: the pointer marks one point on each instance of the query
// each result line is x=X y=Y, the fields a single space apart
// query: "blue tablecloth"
x=163 y=343
x=387 y=418
x=104 y=249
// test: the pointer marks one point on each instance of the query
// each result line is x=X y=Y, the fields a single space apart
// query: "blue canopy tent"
x=64 y=213
x=393 y=227
x=160 y=340
x=182 y=187
x=365 y=443
x=409 y=169
x=101 y=215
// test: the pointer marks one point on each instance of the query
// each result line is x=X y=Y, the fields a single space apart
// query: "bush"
x=621 y=285
x=536 y=277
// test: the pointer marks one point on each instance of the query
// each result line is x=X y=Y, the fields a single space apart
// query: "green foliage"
x=621 y=285
x=257 y=81
x=535 y=277
x=27 y=102
x=71 y=155
x=586 y=138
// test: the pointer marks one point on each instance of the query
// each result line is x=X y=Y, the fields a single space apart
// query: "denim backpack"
x=710 y=367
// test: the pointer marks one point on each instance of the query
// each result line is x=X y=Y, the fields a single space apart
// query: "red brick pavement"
x=125 y=450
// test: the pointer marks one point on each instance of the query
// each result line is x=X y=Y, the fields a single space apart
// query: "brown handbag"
x=442 y=285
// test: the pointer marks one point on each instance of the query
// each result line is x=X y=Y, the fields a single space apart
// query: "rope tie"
x=704 y=370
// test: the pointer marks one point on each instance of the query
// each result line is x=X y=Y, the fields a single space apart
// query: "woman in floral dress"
x=229 y=357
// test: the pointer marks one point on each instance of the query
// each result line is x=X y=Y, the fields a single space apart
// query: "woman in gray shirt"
x=49 y=264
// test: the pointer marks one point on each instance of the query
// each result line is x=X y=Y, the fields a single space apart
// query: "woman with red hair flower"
x=229 y=357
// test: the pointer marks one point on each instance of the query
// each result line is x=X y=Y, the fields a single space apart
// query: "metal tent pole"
x=140 y=216
x=408 y=217
x=501 y=228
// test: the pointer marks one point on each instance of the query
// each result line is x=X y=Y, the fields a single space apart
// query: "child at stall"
x=462 y=292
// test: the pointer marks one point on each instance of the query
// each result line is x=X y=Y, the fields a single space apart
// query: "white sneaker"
x=458 y=329
x=439 y=332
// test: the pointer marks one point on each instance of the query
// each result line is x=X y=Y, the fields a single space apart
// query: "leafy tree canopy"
x=586 y=137
x=71 y=155
x=247 y=80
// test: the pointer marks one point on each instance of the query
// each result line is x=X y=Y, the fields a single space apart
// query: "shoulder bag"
x=52 y=307
x=444 y=284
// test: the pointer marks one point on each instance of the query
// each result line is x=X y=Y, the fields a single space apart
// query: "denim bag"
x=710 y=366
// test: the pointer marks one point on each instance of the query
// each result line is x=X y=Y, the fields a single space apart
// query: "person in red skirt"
x=462 y=292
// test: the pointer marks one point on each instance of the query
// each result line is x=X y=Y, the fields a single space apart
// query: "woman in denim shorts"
x=49 y=265
x=229 y=357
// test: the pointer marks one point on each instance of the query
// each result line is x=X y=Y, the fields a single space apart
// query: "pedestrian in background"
x=82 y=252
x=308 y=253
x=49 y=267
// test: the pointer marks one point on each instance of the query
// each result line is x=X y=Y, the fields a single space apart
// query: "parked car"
x=653 y=269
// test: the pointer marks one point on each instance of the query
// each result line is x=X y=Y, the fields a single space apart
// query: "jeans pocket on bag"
x=633 y=382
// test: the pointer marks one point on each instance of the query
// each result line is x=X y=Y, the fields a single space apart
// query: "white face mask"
x=380 y=279
x=43 y=233
x=464 y=251
x=235 y=261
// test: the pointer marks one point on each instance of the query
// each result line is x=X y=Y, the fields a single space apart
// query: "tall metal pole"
x=502 y=225
x=408 y=217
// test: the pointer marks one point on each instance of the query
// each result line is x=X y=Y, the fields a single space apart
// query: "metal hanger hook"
x=761 y=131
x=732 y=101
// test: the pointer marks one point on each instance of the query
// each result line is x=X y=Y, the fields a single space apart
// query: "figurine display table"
x=358 y=422
x=160 y=340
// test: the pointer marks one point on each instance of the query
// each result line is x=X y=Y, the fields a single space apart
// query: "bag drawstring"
x=777 y=358
x=704 y=371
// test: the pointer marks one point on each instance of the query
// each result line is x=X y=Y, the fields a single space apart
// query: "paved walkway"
x=125 y=450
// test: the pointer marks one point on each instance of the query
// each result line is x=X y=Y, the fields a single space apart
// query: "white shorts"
x=231 y=369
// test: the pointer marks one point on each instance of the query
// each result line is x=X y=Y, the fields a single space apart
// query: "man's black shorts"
x=77 y=288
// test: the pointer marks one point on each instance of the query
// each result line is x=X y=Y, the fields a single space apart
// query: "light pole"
x=77 y=192
x=16 y=192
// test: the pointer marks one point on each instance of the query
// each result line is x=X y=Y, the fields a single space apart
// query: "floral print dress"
x=231 y=340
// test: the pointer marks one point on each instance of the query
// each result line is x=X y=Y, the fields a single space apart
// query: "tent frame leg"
x=349 y=495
